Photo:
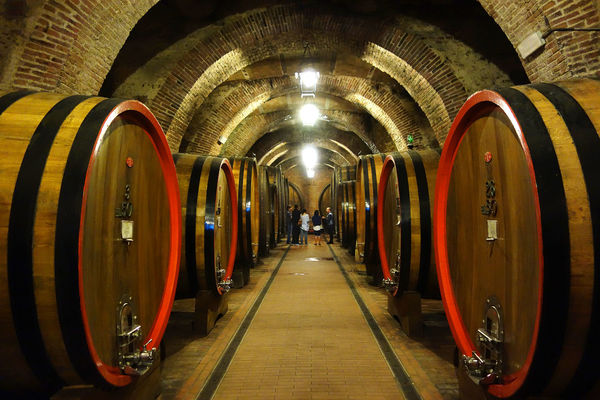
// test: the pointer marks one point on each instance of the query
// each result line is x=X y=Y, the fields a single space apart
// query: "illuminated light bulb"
x=308 y=79
x=309 y=157
x=309 y=114
x=310 y=172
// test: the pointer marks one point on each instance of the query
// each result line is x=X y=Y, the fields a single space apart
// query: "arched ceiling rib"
x=202 y=69
x=345 y=143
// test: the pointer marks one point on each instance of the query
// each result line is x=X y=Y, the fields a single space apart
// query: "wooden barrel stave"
x=405 y=217
x=66 y=183
x=246 y=180
x=266 y=216
x=340 y=174
x=209 y=234
x=325 y=199
x=347 y=210
x=294 y=196
x=275 y=212
x=368 y=172
x=547 y=200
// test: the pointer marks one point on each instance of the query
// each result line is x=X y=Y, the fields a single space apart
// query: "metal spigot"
x=139 y=362
x=226 y=285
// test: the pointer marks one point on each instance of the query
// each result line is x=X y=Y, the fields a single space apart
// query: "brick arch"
x=69 y=46
x=222 y=117
x=348 y=123
x=348 y=141
x=296 y=162
x=328 y=150
x=566 y=54
x=265 y=33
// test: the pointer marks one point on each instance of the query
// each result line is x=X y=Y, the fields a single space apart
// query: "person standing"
x=289 y=224
x=317 y=224
x=304 y=218
x=295 y=224
x=329 y=224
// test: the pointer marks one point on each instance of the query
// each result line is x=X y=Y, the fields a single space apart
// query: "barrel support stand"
x=147 y=386
x=238 y=276
x=407 y=309
x=209 y=307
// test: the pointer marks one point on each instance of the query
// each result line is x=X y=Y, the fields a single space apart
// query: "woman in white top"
x=304 y=218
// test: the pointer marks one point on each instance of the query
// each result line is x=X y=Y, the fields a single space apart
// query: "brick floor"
x=308 y=340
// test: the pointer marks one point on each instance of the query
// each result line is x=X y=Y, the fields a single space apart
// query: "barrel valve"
x=485 y=368
x=139 y=362
x=391 y=283
x=224 y=284
x=131 y=360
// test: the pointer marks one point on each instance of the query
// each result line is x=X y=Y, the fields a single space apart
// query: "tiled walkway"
x=309 y=340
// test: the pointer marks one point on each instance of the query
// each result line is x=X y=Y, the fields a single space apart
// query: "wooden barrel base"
x=406 y=308
x=147 y=386
x=375 y=274
x=209 y=308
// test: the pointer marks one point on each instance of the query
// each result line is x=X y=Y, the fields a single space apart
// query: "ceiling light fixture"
x=307 y=76
x=310 y=173
x=309 y=113
x=308 y=82
x=309 y=157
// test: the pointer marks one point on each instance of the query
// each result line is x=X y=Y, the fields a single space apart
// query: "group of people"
x=298 y=224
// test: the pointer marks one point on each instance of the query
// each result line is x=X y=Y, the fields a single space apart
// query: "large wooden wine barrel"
x=283 y=202
x=266 y=212
x=210 y=229
x=340 y=174
x=347 y=210
x=295 y=196
x=286 y=201
x=517 y=231
x=90 y=239
x=280 y=196
x=276 y=212
x=405 y=220
x=325 y=199
x=246 y=181
x=368 y=172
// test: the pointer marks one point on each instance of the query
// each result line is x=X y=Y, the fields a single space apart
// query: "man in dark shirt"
x=290 y=225
x=329 y=224
x=296 y=227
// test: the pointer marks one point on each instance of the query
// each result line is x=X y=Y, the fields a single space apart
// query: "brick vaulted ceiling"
x=214 y=71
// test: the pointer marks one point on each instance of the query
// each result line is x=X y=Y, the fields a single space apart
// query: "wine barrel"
x=294 y=195
x=246 y=181
x=278 y=181
x=210 y=229
x=266 y=212
x=404 y=222
x=368 y=172
x=90 y=240
x=347 y=210
x=286 y=201
x=337 y=210
x=276 y=213
x=283 y=202
x=325 y=199
x=340 y=174
x=517 y=219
